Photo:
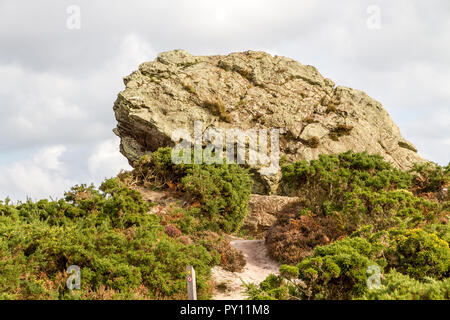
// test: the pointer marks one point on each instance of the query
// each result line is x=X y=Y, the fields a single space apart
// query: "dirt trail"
x=259 y=266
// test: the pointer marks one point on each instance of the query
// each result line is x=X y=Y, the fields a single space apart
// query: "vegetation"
x=219 y=192
x=217 y=108
x=312 y=142
x=188 y=87
x=407 y=146
x=358 y=212
x=356 y=215
x=123 y=250
x=340 y=130
x=397 y=286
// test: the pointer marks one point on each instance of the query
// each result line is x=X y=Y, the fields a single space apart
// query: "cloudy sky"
x=59 y=75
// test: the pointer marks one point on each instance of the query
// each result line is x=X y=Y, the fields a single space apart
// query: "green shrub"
x=340 y=270
x=337 y=271
x=221 y=190
x=357 y=210
x=122 y=250
x=272 y=288
x=396 y=286
x=344 y=192
x=419 y=254
x=429 y=177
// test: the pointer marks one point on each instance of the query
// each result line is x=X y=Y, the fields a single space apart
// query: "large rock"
x=253 y=90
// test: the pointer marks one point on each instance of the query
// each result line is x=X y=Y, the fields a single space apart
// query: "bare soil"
x=229 y=285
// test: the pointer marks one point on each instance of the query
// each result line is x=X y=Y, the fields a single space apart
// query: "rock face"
x=263 y=212
x=253 y=90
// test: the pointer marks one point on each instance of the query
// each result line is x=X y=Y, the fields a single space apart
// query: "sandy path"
x=259 y=266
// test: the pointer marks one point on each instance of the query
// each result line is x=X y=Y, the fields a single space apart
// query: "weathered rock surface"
x=263 y=212
x=253 y=90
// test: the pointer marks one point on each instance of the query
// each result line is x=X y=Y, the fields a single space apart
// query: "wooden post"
x=191 y=284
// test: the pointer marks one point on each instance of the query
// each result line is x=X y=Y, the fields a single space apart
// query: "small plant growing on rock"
x=312 y=142
x=309 y=120
x=408 y=146
x=331 y=108
x=339 y=131
x=217 y=108
x=189 y=88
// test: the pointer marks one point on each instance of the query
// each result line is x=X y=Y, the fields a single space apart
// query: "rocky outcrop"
x=253 y=90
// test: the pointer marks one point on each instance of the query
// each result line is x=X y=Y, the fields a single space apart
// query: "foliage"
x=337 y=271
x=340 y=270
x=272 y=288
x=221 y=191
x=341 y=193
x=429 y=177
x=123 y=251
x=397 y=286
x=355 y=211
x=419 y=254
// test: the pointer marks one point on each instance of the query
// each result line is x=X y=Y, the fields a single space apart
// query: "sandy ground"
x=259 y=266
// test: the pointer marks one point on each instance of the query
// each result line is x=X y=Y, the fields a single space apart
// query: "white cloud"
x=51 y=108
x=106 y=161
x=45 y=108
x=40 y=176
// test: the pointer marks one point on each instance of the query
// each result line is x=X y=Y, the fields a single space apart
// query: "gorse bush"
x=356 y=211
x=397 y=286
x=430 y=178
x=344 y=192
x=123 y=251
x=419 y=254
x=222 y=191
x=334 y=174
x=341 y=270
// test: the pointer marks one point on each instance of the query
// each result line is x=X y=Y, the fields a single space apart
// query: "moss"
x=331 y=108
x=223 y=65
x=312 y=142
x=185 y=65
x=189 y=88
x=339 y=131
x=408 y=146
x=309 y=120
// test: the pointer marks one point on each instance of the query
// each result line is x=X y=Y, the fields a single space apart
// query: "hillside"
x=350 y=212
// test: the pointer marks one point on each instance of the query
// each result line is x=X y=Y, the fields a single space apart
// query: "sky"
x=62 y=64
